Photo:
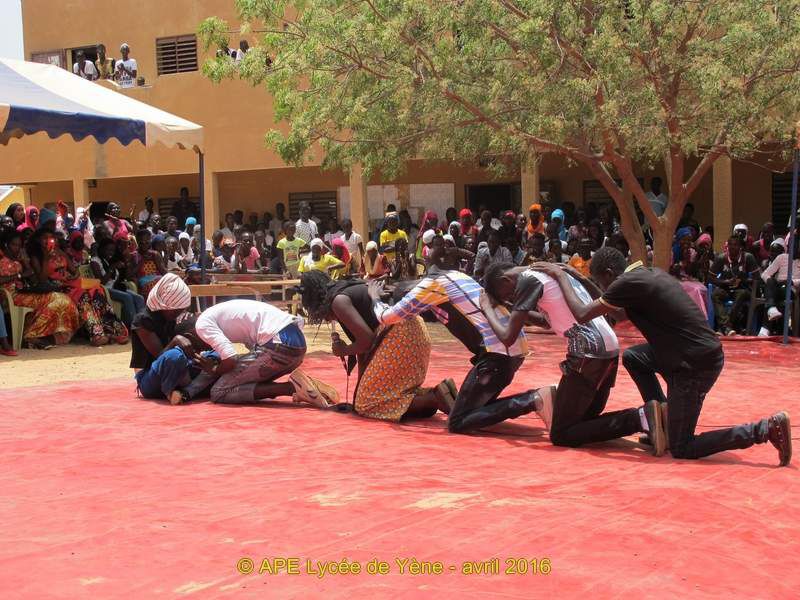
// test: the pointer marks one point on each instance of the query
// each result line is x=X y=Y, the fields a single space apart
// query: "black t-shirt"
x=151 y=321
x=667 y=317
x=362 y=302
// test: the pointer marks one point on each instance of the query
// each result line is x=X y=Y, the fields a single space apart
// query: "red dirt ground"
x=104 y=495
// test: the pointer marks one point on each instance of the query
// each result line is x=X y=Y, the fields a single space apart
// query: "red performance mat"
x=104 y=495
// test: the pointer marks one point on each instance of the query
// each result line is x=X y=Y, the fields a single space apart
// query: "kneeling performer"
x=277 y=347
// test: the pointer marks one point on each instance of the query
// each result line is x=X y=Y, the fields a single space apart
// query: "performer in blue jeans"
x=681 y=347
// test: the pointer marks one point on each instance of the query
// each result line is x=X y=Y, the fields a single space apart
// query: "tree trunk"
x=629 y=225
x=662 y=245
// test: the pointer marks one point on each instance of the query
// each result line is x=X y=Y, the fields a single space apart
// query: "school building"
x=242 y=173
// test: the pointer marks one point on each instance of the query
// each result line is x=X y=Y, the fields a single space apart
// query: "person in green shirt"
x=290 y=248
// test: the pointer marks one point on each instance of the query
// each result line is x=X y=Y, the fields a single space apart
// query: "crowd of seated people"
x=73 y=272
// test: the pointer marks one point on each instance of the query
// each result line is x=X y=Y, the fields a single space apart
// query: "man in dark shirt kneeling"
x=681 y=347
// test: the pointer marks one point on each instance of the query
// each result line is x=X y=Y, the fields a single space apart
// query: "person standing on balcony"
x=104 y=64
x=83 y=67
x=126 y=69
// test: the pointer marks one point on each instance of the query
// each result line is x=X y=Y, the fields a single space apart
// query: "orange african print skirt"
x=396 y=371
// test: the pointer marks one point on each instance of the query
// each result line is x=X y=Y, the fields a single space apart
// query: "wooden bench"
x=257 y=289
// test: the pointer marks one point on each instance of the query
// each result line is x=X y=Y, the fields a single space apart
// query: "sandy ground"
x=79 y=361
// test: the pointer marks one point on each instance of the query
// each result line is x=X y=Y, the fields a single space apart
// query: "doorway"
x=495 y=197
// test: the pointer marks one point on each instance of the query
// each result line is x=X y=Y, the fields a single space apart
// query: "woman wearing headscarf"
x=339 y=250
x=97 y=316
x=454 y=229
x=32 y=217
x=557 y=218
x=162 y=354
x=429 y=220
x=17 y=213
x=392 y=361
x=376 y=266
x=319 y=260
x=536 y=223
x=54 y=314
x=685 y=267
x=76 y=248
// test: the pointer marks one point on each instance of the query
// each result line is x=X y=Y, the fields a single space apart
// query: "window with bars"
x=176 y=54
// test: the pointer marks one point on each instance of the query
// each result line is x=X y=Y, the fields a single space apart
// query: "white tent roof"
x=37 y=97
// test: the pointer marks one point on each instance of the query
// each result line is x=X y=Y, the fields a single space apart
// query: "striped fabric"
x=463 y=292
x=170 y=293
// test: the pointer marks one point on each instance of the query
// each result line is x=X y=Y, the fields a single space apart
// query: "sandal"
x=99 y=340
x=307 y=390
x=37 y=344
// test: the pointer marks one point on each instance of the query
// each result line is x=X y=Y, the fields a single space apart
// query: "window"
x=51 y=57
x=781 y=201
x=323 y=204
x=176 y=54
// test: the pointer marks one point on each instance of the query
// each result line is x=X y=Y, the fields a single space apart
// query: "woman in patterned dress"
x=147 y=264
x=392 y=361
x=54 y=314
x=97 y=316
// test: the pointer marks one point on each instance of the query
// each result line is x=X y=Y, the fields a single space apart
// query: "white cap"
x=428 y=236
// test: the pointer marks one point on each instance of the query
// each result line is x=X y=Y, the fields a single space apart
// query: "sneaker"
x=306 y=390
x=780 y=435
x=653 y=414
x=773 y=314
x=544 y=404
x=763 y=332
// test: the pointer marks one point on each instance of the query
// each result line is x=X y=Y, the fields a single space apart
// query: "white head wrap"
x=428 y=236
x=169 y=293
x=317 y=242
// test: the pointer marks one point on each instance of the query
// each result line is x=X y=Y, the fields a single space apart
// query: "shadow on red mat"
x=104 y=495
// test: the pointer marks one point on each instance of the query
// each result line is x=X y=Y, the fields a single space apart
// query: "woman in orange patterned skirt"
x=54 y=314
x=392 y=361
x=97 y=316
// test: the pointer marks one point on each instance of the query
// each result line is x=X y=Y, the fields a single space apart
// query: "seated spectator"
x=582 y=259
x=147 y=264
x=185 y=250
x=54 y=318
x=428 y=222
x=686 y=268
x=468 y=229
x=596 y=234
x=288 y=250
x=492 y=253
x=17 y=213
x=172 y=227
x=454 y=230
x=32 y=217
x=404 y=267
x=189 y=225
x=224 y=262
x=264 y=242
x=557 y=221
x=108 y=266
x=732 y=274
x=76 y=249
x=376 y=266
x=743 y=233
x=555 y=253
x=319 y=260
x=96 y=315
x=246 y=258
x=84 y=68
x=534 y=249
x=172 y=258
x=775 y=276
x=216 y=243
x=126 y=69
x=517 y=254
x=485 y=226
x=105 y=68
x=508 y=227
x=340 y=251
x=446 y=256
x=147 y=211
x=155 y=224
x=577 y=231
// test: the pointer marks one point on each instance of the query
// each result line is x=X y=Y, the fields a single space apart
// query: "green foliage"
x=610 y=83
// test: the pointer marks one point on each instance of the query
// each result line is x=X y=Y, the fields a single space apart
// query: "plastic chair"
x=17 y=314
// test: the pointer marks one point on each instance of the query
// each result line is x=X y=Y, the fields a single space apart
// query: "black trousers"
x=725 y=319
x=578 y=406
x=478 y=404
x=687 y=387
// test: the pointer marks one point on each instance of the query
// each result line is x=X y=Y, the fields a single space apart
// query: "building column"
x=211 y=214
x=723 y=200
x=80 y=193
x=359 y=208
x=530 y=182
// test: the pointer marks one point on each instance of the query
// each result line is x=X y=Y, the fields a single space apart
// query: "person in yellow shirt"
x=390 y=235
x=583 y=258
x=317 y=260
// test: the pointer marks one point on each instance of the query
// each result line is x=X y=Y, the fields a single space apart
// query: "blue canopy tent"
x=36 y=97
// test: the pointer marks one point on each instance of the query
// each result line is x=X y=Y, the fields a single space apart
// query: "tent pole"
x=790 y=243
x=202 y=211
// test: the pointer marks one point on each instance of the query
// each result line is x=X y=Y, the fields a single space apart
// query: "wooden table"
x=248 y=288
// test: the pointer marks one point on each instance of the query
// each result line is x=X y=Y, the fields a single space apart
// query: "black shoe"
x=652 y=412
x=780 y=435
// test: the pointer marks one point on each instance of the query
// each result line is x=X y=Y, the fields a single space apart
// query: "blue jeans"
x=169 y=372
x=131 y=304
x=3 y=330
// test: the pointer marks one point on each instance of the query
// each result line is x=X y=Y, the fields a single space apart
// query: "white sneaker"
x=763 y=332
x=773 y=314
x=544 y=404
